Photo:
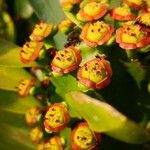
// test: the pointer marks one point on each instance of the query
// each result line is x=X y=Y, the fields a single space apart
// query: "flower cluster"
x=130 y=31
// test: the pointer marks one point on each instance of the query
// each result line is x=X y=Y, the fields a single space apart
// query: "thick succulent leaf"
x=14 y=131
x=9 y=55
x=102 y=117
x=48 y=10
x=15 y=138
x=11 y=77
x=65 y=84
x=11 y=102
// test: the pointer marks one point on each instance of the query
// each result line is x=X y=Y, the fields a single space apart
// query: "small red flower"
x=122 y=14
x=132 y=37
x=56 y=118
x=41 y=31
x=30 y=51
x=33 y=115
x=83 y=138
x=92 y=11
x=95 y=74
x=25 y=86
x=66 y=60
x=136 y=4
x=97 y=33
x=54 y=143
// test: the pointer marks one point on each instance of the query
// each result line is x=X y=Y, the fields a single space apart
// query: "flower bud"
x=36 y=134
x=30 y=51
x=56 y=118
x=33 y=115
x=66 y=61
x=25 y=86
x=95 y=74
x=97 y=33
x=132 y=37
x=66 y=26
x=68 y=4
x=83 y=138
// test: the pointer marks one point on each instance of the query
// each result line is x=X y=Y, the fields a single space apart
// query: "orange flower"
x=66 y=60
x=92 y=11
x=95 y=74
x=30 y=51
x=132 y=37
x=41 y=31
x=97 y=33
x=122 y=14
x=56 y=118
x=83 y=138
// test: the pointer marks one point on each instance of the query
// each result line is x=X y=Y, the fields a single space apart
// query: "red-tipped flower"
x=25 y=86
x=33 y=115
x=97 y=33
x=56 y=118
x=30 y=51
x=92 y=11
x=136 y=4
x=132 y=37
x=83 y=138
x=41 y=31
x=54 y=143
x=95 y=74
x=66 y=60
x=122 y=14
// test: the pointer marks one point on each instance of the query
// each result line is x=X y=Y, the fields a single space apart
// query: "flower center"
x=64 y=58
x=94 y=71
x=92 y=8
x=96 y=31
x=55 y=117
x=84 y=138
x=28 y=49
x=133 y=34
x=123 y=11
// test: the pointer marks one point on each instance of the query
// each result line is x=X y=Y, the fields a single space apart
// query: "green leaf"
x=65 y=84
x=15 y=138
x=11 y=102
x=48 y=10
x=11 y=77
x=13 y=129
x=9 y=55
x=23 y=8
x=136 y=71
x=102 y=117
